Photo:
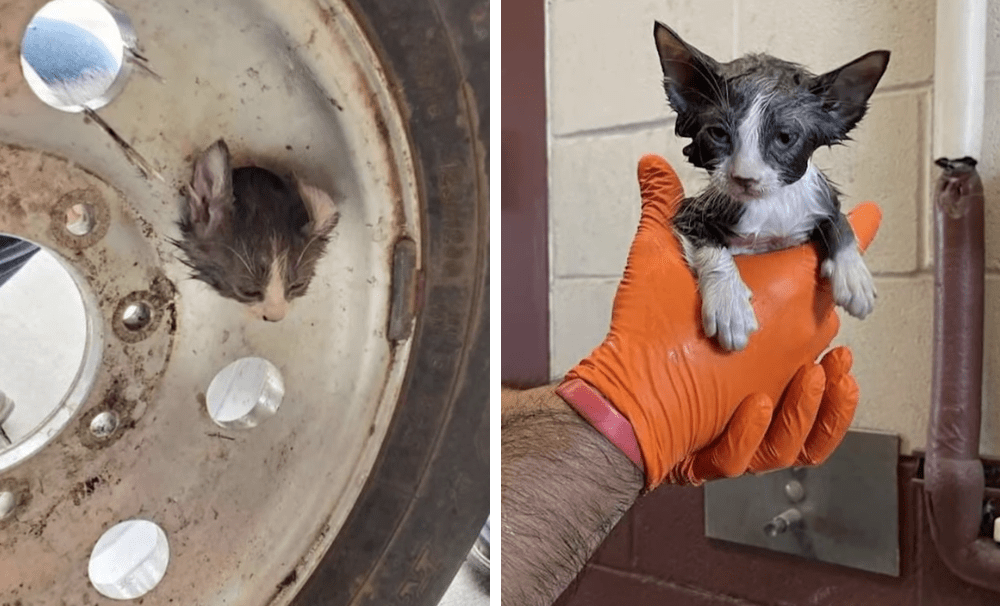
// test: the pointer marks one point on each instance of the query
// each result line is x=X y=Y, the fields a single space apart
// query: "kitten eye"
x=717 y=134
x=249 y=293
x=786 y=139
x=298 y=288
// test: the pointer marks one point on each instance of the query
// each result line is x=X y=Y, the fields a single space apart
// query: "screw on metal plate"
x=782 y=522
x=795 y=491
x=6 y=408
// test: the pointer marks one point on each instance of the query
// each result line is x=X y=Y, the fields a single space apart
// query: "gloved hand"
x=700 y=412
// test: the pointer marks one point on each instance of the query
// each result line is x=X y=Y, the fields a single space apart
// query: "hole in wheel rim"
x=129 y=560
x=137 y=315
x=7 y=503
x=244 y=393
x=73 y=54
x=80 y=219
x=104 y=424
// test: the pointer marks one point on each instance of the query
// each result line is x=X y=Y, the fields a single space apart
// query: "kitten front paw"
x=726 y=311
x=852 y=283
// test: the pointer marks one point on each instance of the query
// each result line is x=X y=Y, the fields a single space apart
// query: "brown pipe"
x=953 y=472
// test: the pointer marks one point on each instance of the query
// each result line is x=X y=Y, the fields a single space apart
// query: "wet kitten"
x=754 y=124
x=251 y=235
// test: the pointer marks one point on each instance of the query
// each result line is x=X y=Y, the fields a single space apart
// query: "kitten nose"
x=274 y=311
x=274 y=315
x=744 y=182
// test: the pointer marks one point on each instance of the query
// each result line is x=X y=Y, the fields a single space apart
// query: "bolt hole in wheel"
x=137 y=316
x=129 y=560
x=7 y=504
x=104 y=424
x=46 y=309
x=244 y=393
x=73 y=54
x=80 y=219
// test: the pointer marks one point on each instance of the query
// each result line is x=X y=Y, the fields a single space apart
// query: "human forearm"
x=563 y=487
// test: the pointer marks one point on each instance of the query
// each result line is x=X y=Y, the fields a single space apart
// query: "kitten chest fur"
x=784 y=218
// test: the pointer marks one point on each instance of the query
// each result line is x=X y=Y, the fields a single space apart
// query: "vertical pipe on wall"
x=959 y=78
x=954 y=480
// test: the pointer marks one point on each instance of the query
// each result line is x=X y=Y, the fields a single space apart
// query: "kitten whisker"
x=242 y=260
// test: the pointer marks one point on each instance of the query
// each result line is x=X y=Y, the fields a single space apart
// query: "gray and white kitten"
x=251 y=235
x=754 y=123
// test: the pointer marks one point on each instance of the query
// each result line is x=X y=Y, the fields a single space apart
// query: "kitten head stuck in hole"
x=251 y=235
x=755 y=121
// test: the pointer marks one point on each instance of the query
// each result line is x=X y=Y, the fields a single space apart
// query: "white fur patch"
x=747 y=161
x=785 y=217
x=274 y=307
x=321 y=207
x=852 y=283
x=726 y=311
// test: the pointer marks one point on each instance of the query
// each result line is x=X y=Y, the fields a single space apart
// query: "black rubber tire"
x=428 y=493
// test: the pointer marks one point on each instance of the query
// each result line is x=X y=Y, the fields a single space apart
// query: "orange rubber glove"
x=700 y=412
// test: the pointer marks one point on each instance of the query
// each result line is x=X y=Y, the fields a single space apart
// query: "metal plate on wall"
x=845 y=511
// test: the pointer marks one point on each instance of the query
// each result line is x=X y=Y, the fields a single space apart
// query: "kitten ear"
x=323 y=215
x=211 y=191
x=690 y=77
x=845 y=90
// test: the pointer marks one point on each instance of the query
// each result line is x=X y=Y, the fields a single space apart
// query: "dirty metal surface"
x=292 y=86
x=848 y=507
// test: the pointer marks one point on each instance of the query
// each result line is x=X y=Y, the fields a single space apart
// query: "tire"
x=428 y=493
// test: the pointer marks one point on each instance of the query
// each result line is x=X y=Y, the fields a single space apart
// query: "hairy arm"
x=563 y=487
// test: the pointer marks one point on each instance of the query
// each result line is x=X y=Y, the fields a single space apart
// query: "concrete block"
x=993 y=37
x=603 y=66
x=581 y=317
x=887 y=162
x=892 y=358
x=594 y=203
x=989 y=171
x=824 y=35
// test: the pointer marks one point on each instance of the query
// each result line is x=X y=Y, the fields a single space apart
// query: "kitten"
x=754 y=124
x=250 y=235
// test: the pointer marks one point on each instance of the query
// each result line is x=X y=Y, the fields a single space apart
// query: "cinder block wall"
x=607 y=108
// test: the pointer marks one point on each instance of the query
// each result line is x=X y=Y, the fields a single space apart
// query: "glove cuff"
x=603 y=416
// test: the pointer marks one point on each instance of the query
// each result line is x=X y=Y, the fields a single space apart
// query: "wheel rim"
x=247 y=513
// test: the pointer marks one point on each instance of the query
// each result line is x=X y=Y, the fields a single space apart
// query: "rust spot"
x=288 y=580
x=86 y=488
x=13 y=204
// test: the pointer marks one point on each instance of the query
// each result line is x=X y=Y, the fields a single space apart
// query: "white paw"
x=726 y=310
x=853 y=287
